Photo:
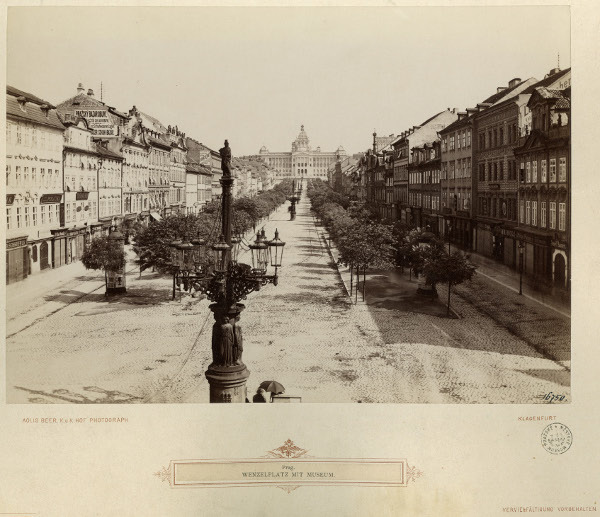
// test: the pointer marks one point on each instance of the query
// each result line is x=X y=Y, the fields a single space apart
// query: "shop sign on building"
x=99 y=122
x=50 y=198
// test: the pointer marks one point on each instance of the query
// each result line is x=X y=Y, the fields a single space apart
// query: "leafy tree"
x=152 y=244
x=103 y=253
x=452 y=269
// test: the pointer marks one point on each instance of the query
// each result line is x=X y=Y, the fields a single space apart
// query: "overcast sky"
x=254 y=75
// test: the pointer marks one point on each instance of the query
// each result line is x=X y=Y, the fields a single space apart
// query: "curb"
x=324 y=236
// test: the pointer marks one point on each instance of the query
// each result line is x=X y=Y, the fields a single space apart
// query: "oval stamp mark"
x=557 y=438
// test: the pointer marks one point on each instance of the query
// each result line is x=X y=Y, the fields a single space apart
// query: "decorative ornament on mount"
x=164 y=474
x=288 y=450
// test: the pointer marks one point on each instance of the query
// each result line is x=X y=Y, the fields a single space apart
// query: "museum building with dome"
x=302 y=161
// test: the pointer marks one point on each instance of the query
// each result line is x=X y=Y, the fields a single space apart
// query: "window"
x=534 y=171
x=50 y=215
x=527 y=212
x=522 y=211
x=8 y=218
x=68 y=212
x=501 y=137
x=8 y=178
x=562 y=216
x=34 y=215
x=543 y=173
x=26 y=217
x=18 y=217
x=543 y=214
x=528 y=172
x=444 y=144
x=452 y=143
x=458 y=141
x=464 y=139
x=562 y=170
x=552 y=215
x=534 y=213
x=468 y=138
x=553 y=170
x=26 y=175
x=19 y=135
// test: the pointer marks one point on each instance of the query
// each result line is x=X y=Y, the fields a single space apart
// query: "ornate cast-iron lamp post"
x=226 y=283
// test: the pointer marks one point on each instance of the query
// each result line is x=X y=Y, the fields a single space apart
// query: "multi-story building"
x=158 y=165
x=136 y=175
x=204 y=185
x=302 y=161
x=80 y=173
x=110 y=166
x=459 y=165
x=424 y=186
x=34 y=185
x=192 y=175
x=198 y=159
x=414 y=137
x=177 y=169
x=544 y=156
x=495 y=184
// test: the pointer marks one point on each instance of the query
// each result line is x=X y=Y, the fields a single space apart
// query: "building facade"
x=177 y=174
x=302 y=161
x=402 y=146
x=544 y=155
x=496 y=182
x=424 y=192
x=34 y=185
x=110 y=166
x=80 y=211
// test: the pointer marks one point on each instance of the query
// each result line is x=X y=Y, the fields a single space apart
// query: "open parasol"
x=272 y=386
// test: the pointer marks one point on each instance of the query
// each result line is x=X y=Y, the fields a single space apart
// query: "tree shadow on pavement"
x=395 y=292
x=64 y=395
x=134 y=296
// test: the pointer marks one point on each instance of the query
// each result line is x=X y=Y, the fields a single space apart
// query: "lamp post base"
x=227 y=383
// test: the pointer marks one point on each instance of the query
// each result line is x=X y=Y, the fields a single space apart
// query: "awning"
x=156 y=216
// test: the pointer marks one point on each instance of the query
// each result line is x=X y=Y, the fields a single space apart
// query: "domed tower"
x=301 y=143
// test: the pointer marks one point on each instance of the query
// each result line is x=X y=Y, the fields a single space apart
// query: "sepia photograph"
x=288 y=205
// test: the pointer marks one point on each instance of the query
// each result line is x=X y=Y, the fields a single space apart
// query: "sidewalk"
x=509 y=278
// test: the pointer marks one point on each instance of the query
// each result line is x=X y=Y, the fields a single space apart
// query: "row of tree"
x=364 y=241
x=151 y=242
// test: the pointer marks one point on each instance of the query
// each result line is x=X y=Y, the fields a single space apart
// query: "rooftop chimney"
x=514 y=82
x=553 y=71
x=80 y=88
x=470 y=111
x=462 y=115
x=91 y=93
x=500 y=88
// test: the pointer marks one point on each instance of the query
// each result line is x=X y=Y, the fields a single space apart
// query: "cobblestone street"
x=70 y=344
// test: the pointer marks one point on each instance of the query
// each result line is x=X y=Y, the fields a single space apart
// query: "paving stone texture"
x=66 y=343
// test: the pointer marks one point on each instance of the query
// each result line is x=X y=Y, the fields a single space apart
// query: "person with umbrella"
x=273 y=387
x=260 y=396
